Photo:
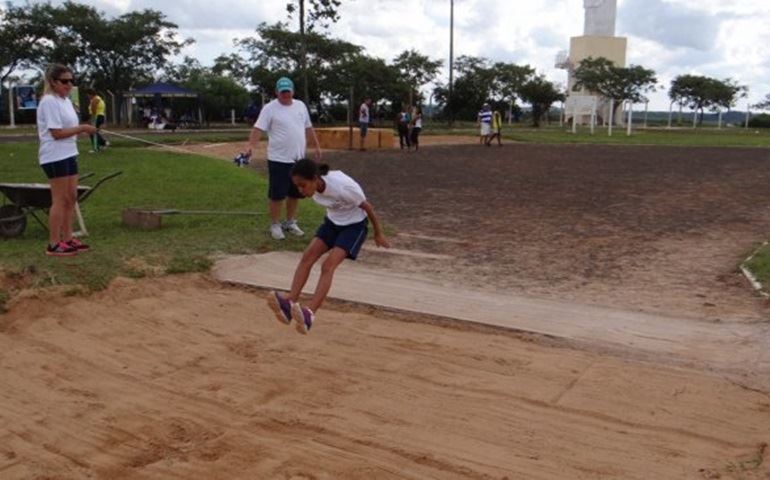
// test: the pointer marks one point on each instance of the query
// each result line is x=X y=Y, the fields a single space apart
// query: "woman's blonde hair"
x=53 y=73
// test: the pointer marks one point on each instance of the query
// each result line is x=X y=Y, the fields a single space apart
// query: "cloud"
x=670 y=24
x=707 y=37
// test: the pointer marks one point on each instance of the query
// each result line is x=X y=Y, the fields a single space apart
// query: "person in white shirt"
x=342 y=234
x=416 y=128
x=57 y=128
x=287 y=124
x=364 y=119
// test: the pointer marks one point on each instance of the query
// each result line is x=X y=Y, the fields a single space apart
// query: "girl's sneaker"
x=303 y=318
x=78 y=245
x=280 y=306
x=61 y=249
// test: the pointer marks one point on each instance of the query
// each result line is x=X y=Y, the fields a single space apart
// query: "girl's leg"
x=336 y=256
x=311 y=254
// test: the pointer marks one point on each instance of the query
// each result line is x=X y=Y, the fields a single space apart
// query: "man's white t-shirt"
x=285 y=126
x=363 y=113
x=55 y=112
x=341 y=198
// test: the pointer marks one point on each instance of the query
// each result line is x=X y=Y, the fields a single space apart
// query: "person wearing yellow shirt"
x=497 y=125
x=96 y=108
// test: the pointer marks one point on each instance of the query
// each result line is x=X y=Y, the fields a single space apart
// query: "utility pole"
x=451 y=58
x=303 y=53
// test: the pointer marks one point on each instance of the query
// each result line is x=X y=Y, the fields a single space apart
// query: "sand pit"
x=183 y=378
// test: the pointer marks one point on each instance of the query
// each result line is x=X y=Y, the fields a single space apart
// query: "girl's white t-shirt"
x=285 y=126
x=56 y=112
x=342 y=198
x=418 y=121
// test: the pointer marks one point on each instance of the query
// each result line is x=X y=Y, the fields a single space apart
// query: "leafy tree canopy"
x=602 y=76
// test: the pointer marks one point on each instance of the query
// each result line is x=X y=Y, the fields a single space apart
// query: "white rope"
x=170 y=147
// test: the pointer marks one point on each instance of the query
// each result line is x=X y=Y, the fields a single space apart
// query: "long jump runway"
x=732 y=348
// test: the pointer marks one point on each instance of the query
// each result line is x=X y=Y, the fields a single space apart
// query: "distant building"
x=598 y=40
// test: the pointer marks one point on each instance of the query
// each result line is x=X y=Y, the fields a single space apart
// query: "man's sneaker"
x=303 y=318
x=292 y=227
x=280 y=306
x=276 y=231
x=61 y=249
x=78 y=245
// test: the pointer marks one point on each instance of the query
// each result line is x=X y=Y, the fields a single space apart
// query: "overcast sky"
x=718 y=38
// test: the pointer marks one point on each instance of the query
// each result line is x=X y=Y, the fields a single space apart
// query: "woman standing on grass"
x=342 y=234
x=58 y=128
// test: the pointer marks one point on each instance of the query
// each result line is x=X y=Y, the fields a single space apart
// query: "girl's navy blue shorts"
x=280 y=185
x=347 y=237
x=61 y=168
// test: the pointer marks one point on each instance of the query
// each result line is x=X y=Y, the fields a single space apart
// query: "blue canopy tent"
x=157 y=92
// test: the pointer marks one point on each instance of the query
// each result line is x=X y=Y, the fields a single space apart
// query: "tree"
x=222 y=93
x=508 y=80
x=472 y=87
x=541 y=94
x=113 y=54
x=764 y=104
x=416 y=70
x=602 y=76
x=478 y=81
x=234 y=66
x=320 y=12
x=22 y=29
x=699 y=92
x=274 y=53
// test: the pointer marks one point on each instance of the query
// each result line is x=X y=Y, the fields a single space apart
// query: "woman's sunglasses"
x=71 y=81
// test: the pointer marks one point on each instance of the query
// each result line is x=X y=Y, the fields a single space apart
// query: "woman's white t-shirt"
x=56 y=112
x=342 y=198
x=285 y=126
x=418 y=121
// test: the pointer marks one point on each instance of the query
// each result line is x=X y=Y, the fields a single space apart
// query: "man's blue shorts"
x=364 y=126
x=347 y=237
x=61 y=168
x=280 y=185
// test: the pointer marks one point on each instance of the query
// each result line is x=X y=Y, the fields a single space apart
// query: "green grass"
x=152 y=179
x=686 y=137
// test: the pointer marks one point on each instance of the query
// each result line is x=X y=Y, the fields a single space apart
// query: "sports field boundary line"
x=755 y=283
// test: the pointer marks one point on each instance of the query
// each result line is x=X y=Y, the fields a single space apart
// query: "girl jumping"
x=342 y=234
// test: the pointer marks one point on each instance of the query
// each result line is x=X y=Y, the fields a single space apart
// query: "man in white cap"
x=287 y=124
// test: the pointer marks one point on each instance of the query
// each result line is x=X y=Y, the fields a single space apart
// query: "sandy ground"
x=184 y=378
x=229 y=150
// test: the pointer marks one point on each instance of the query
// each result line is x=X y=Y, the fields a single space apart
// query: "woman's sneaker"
x=280 y=306
x=78 y=245
x=61 y=249
x=303 y=318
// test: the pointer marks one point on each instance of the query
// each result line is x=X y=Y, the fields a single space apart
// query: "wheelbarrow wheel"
x=13 y=221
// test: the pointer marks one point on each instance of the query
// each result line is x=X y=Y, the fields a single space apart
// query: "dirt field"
x=181 y=377
x=650 y=228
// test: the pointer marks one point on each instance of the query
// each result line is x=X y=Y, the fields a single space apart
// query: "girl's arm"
x=379 y=235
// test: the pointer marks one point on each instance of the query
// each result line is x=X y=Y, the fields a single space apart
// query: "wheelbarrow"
x=25 y=199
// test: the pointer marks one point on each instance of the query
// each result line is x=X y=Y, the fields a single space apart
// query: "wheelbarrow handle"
x=91 y=190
